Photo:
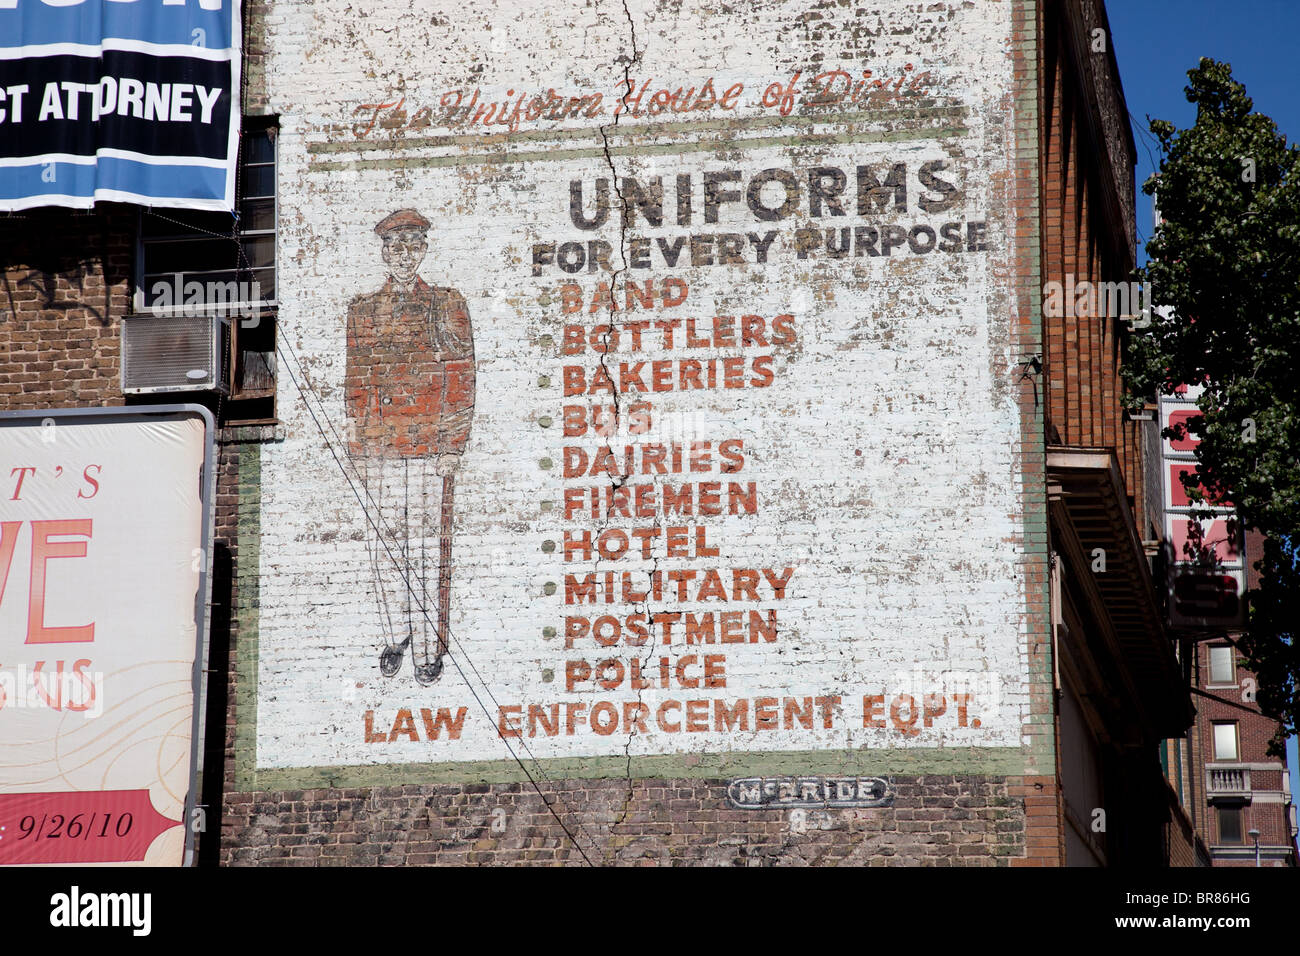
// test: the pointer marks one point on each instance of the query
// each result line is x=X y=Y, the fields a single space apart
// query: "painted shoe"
x=428 y=673
x=390 y=661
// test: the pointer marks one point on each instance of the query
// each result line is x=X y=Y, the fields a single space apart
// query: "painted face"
x=404 y=250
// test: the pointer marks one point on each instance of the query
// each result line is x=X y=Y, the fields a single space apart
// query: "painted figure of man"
x=410 y=399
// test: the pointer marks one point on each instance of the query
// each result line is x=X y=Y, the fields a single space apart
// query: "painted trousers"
x=409 y=555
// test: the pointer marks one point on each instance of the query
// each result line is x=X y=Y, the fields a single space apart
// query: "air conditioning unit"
x=175 y=353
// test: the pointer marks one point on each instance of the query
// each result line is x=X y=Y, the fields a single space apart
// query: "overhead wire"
x=405 y=575
x=375 y=524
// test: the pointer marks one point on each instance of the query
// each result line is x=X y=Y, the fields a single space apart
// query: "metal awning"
x=1089 y=504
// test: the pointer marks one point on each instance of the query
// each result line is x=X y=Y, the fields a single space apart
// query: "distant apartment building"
x=1238 y=796
x=1249 y=813
x=1250 y=810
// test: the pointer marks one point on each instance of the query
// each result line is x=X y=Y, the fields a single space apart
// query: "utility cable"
x=405 y=576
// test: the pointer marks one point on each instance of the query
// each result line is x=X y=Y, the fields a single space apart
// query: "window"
x=1225 y=741
x=1230 y=825
x=1223 y=664
x=191 y=262
x=179 y=246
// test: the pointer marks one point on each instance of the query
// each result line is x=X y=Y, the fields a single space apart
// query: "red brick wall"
x=1044 y=821
x=1083 y=241
x=936 y=820
x=1254 y=732
x=1181 y=836
x=67 y=282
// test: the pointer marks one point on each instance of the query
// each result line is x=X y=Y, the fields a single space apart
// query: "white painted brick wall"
x=884 y=452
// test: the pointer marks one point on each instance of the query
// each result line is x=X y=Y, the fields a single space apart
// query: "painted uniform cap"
x=402 y=219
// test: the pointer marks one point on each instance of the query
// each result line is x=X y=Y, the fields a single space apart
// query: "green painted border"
x=995 y=761
x=888 y=118
x=1040 y=750
x=650 y=149
x=247 y=570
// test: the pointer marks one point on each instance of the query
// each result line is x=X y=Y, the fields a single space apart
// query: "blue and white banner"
x=120 y=101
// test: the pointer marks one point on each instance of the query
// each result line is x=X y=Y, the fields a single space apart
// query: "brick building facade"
x=1246 y=789
x=1023 y=107
x=1242 y=792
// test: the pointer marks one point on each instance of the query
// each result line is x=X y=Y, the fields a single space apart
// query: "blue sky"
x=1157 y=41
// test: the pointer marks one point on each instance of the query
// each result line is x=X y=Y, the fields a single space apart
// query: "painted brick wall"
x=63 y=287
x=298 y=785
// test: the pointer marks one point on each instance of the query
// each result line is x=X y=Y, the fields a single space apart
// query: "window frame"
x=1234 y=813
x=1236 y=741
x=138 y=298
x=1211 y=680
x=245 y=406
x=265 y=124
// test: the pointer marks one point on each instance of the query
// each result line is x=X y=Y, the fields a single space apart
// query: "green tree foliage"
x=1225 y=276
x=1269 y=644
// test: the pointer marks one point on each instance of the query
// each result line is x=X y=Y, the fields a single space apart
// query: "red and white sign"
x=1203 y=593
x=103 y=537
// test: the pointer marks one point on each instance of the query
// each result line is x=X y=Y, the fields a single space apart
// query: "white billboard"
x=1208 y=573
x=104 y=529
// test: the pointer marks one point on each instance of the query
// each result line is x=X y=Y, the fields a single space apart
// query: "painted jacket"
x=410 y=372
